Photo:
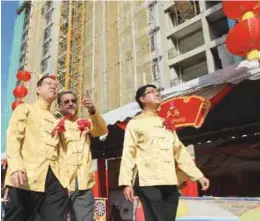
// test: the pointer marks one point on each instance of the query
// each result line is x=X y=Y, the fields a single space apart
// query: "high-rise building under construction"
x=113 y=47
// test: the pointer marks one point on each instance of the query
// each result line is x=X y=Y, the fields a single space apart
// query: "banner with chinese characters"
x=185 y=111
x=100 y=213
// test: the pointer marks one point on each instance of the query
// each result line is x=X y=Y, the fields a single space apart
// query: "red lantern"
x=244 y=37
x=236 y=9
x=16 y=103
x=23 y=76
x=20 y=91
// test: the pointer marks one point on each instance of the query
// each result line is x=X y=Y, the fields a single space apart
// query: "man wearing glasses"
x=148 y=162
x=75 y=135
x=32 y=155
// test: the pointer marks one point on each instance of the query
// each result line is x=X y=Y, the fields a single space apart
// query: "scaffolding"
x=77 y=50
x=63 y=66
x=112 y=58
x=71 y=47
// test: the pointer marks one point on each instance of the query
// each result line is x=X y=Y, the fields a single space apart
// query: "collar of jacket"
x=150 y=114
x=71 y=118
x=43 y=104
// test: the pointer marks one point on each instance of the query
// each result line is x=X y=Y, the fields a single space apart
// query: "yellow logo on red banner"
x=185 y=111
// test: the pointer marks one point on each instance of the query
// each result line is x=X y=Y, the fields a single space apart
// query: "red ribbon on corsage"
x=83 y=125
x=169 y=123
x=60 y=128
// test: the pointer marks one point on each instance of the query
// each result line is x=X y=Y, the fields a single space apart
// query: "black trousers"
x=52 y=205
x=82 y=205
x=159 y=202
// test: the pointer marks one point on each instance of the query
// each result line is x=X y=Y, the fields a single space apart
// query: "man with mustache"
x=32 y=155
x=148 y=161
x=75 y=135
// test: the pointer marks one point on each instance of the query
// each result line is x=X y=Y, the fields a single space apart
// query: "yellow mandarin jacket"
x=30 y=146
x=78 y=158
x=152 y=150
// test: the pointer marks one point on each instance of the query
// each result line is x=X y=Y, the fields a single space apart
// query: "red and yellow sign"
x=185 y=111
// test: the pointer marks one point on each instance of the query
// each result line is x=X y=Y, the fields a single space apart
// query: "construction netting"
x=12 y=81
x=117 y=56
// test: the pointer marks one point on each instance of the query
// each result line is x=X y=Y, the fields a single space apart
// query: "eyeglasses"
x=50 y=84
x=74 y=101
x=152 y=92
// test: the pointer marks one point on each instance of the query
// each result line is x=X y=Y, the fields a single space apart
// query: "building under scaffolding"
x=71 y=47
x=109 y=54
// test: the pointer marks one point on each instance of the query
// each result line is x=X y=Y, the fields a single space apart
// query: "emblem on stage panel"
x=100 y=209
x=184 y=111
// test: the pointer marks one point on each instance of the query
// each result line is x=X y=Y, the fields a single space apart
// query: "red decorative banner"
x=185 y=111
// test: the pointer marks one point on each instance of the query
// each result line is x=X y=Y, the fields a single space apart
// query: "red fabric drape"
x=139 y=213
x=191 y=189
x=96 y=187
x=217 y=98
x=122 y=125
x=100 y=188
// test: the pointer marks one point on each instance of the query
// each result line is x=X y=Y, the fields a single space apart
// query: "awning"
x=235 y=110
x=200 y=86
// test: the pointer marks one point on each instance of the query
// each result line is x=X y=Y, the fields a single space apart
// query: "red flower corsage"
x=83 y=124
x=169 y=123
x=60 y=128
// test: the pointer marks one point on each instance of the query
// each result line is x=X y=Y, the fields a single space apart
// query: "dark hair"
x=39 y=83
x=65 y=92
x=140 y=92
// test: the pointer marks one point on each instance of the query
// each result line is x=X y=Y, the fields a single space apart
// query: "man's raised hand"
x=87 y=102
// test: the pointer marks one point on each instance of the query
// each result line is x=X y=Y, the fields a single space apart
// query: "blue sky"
x=8 y=15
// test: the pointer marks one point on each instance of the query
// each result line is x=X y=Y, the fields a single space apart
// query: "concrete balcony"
x=194 y=23
x=187 y=55
x=185 y=28
x=215 y=9
x=177 y=58
x=168 y=5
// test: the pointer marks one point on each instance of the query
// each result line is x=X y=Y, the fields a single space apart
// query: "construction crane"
x=71 y=47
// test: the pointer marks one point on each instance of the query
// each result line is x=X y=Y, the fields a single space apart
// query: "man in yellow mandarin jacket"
x=32 y=157
x=148 y=161
x=78 y=160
